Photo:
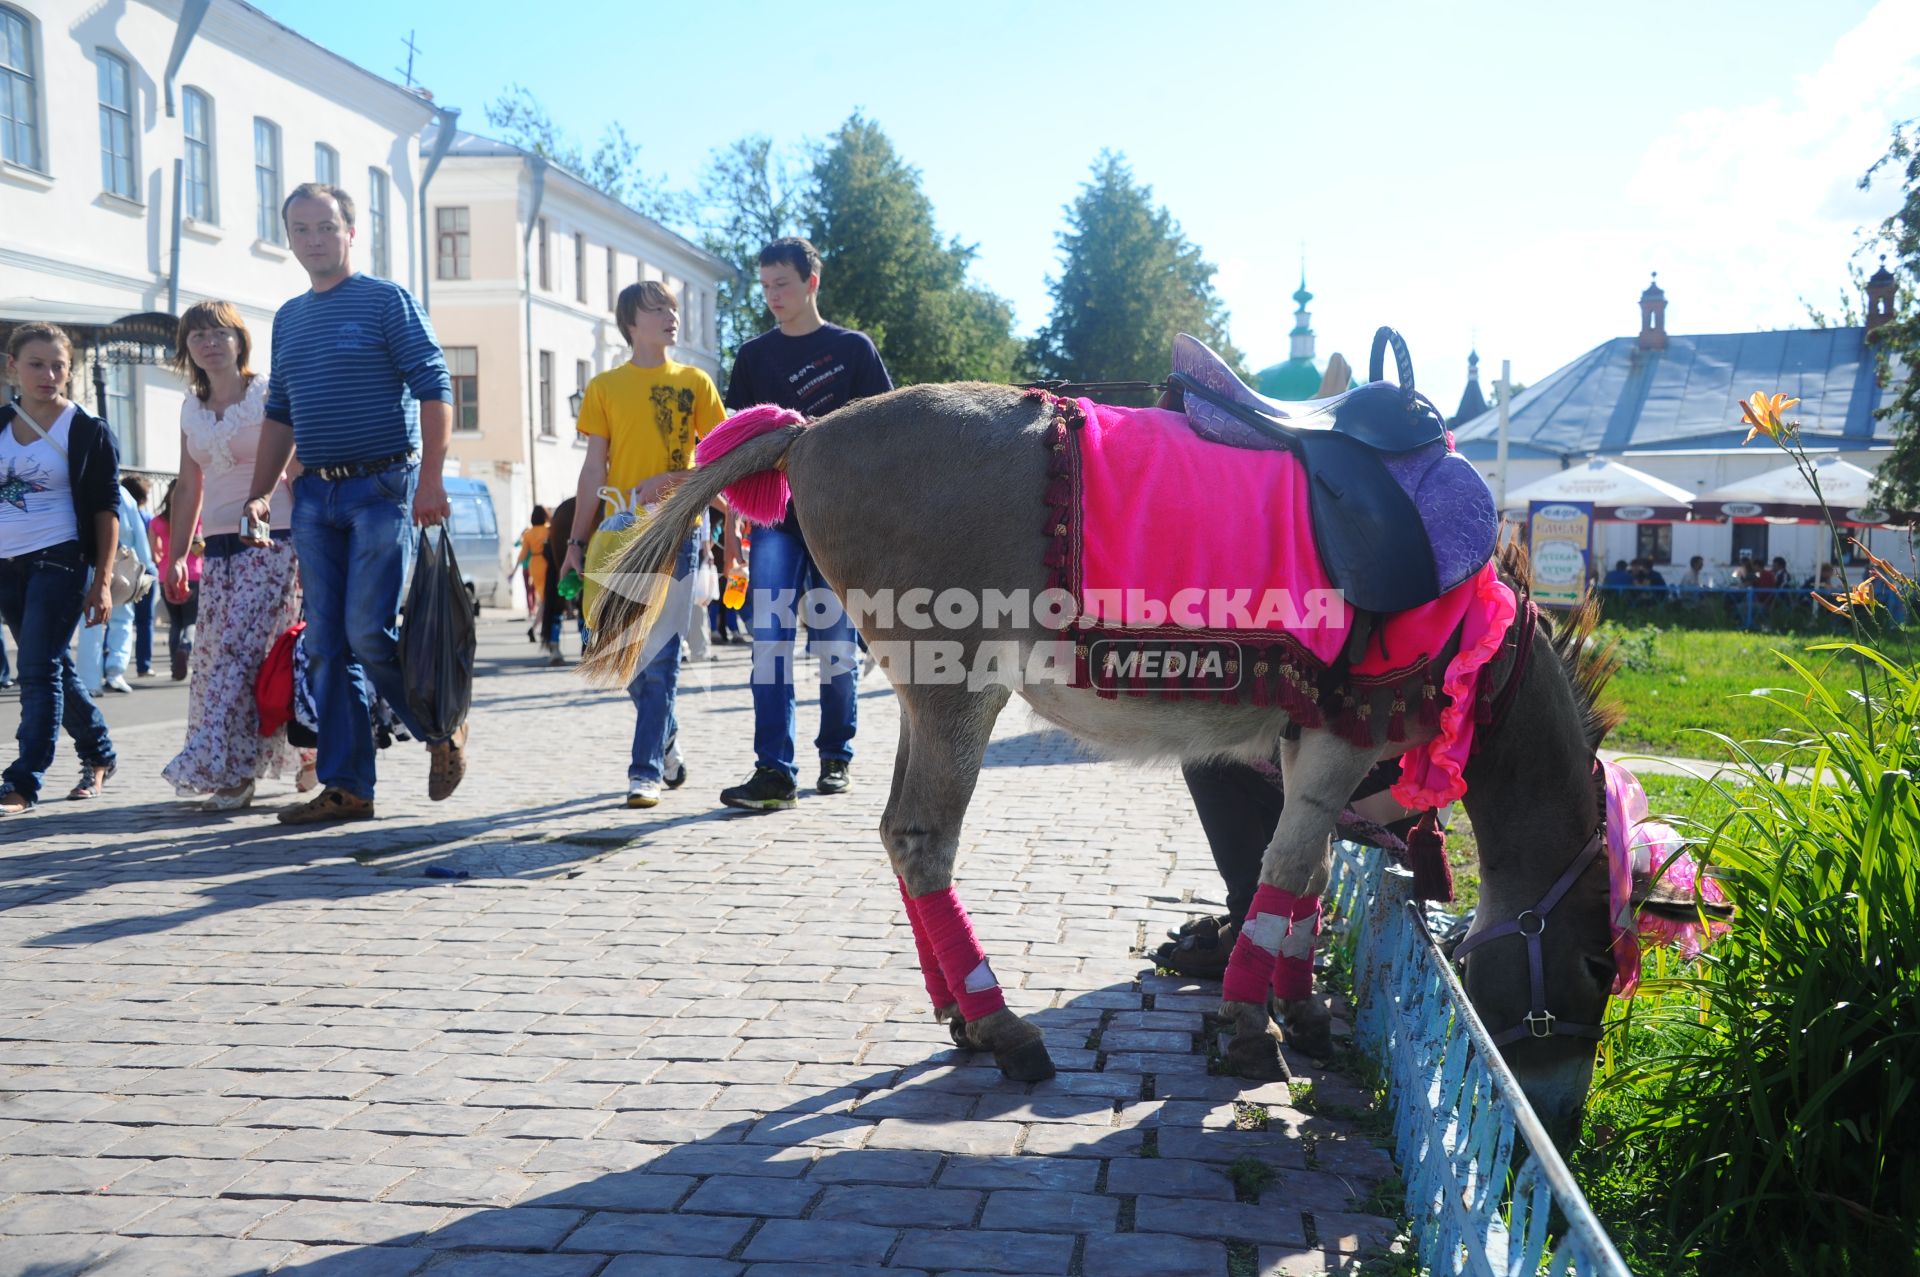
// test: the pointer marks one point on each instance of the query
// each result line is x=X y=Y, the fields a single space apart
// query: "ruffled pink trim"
x=1649 y=848
x=1626 y=808
x=1434 y=774
x=760 y=498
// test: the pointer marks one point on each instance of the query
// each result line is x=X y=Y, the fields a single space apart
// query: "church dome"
x=1294 y=379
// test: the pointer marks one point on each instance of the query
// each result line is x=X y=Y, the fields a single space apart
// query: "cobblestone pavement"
x=674 y=1043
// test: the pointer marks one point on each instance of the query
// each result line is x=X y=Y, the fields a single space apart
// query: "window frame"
x=205 y=206
x=379 y=244
x=580 y=266
x=116 y=166
x=456 y=264
x=119 y=377
x=466 y=386
x=613 y=280
x=1654 y=543
x=325 y=156
x=545 y=365
x=269 y=182
x=545 y=240
x=12 y=92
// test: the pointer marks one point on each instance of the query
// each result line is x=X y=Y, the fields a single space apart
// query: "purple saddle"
x=1399 y=518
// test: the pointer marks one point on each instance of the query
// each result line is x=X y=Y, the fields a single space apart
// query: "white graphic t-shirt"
x=36 y=492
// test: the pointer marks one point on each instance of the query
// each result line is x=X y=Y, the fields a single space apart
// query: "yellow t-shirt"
x=650 y=418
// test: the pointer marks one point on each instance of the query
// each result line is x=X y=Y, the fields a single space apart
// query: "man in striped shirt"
x=360 y=388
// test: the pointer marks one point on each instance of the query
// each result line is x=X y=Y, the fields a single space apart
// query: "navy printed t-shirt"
x=814 y=374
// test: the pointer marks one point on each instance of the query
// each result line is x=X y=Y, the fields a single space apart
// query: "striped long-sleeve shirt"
x=349 y=365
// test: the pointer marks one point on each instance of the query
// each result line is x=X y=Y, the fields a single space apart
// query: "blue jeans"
x=653 y=689
x=41 y=598
x=782 y=572
x=143 y=631
x=355 y=539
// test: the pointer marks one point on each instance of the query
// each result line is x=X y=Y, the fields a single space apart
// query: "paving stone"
x=1148 y=1255
x=1354 y=1234
x=672 y=1266
x=1062 y=1174
x=810 y=1241
x=71 y=1213
x=204 y=1217
x=498 y=1264
x=874 y=1166
x=318 y=1181
x=62 y=1174
x=59 y=1255
x=1264 y=1221
x=362 y=1261
x=752 y=1195
x=183 y=1177
x=535 y=1228
x=1170 y=1177
x=609 y=1190
x=366 y=1223
x=977 y=1139
x=1051 y=1212
x=442 y=1186
x=899 y=1207
x=619 y=1232
x=194 y=1257
x=984 y=1250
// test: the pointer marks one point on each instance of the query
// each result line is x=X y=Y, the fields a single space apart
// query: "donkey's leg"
x=1275 y=949
x=945 y=1006
x=946 y=732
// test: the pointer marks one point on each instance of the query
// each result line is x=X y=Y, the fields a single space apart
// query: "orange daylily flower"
x=1762 y=415
x=1860 y=595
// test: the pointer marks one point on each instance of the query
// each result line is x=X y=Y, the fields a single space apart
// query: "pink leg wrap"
x=929 y=963
x=1273 y=948
x=962 y=962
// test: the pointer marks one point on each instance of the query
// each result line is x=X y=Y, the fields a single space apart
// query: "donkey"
x=936 y=487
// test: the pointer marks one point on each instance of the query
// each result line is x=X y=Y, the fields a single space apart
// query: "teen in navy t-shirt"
x=812 y=367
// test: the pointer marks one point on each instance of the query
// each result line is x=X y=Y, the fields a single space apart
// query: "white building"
x=528 y=260
x=145 y=149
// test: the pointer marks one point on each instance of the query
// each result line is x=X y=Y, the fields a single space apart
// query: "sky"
x=1505 y=176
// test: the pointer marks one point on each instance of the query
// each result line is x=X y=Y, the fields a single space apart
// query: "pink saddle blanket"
x=1171 y=537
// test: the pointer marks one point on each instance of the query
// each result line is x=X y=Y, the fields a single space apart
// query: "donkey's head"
x=1540 y=959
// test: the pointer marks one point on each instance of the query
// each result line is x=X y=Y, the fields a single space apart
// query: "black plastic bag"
x=437 y=639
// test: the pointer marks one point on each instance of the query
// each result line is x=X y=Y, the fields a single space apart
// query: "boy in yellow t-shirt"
x=641 y=421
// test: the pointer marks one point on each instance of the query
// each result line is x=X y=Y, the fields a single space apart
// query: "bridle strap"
x=1539 y=1022
x=1523 y=630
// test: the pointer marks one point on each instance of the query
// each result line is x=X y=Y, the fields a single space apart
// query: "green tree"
x=612 y=167
x=1898 y=481
x=750 y=194
x=886 y=271
x=1129 y=281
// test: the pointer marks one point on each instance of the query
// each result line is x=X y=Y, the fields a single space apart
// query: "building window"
x=582 y=374
x=116 y=126
x=546 y=256
x=326 y=164
x=455 y=243
x=613 y=279
x=19 y=120
x=122 y=415
x=579 y=266
x=266 y=181
x=546 y=394
x=377 y=223
x=197 y=125
x=463 y=363
x=1653 y=542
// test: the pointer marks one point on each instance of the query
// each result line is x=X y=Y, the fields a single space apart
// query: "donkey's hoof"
x=957 y=1030
x=1027 y=1062
x=1309 y=1027
x=1256 y=1057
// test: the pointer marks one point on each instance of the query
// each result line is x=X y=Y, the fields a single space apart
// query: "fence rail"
x=1460 y=1120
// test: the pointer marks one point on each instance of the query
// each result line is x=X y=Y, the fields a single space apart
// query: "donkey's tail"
x=637 y=582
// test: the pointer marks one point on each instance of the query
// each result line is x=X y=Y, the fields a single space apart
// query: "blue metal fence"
x=1460 y=1120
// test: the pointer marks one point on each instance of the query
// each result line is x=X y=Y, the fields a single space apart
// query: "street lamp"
x=575 y=400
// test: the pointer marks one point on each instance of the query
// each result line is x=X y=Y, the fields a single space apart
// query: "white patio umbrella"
x=1842 y=483
x=1617 y=491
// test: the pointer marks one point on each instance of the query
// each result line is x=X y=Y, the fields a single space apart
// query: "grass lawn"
x=1675 y=682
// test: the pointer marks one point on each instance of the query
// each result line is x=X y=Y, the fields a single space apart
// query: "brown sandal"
x=93 y=779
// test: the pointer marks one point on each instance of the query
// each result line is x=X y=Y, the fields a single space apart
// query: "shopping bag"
x=437 y=638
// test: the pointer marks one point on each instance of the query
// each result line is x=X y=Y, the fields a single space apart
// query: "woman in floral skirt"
x=249 y=595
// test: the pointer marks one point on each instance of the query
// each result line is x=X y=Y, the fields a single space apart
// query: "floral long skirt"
x=247 y=601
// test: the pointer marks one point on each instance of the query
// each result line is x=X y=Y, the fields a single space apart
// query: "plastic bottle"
x=569 y=587
x=736 y=592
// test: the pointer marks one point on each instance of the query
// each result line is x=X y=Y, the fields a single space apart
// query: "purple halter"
x=1540 y=1022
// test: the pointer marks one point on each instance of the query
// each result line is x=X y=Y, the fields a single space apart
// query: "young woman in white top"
x=59 y=517
x=249 y=594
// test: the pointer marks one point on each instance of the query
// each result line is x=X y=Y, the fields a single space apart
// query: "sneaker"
x=230 y=799
x=331 y=804
x=12 y=801
x=118 y=683
x=643 y=793
x=833 y=777
x=449 y=765
x=93 y=779
x=553 y=656
x=674 y=773
x=765 y=790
